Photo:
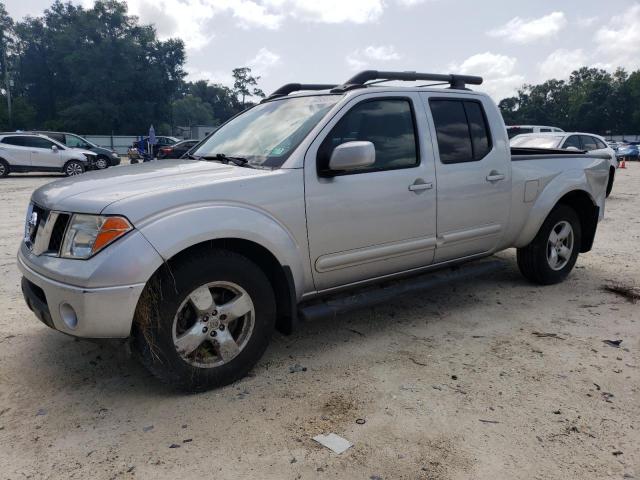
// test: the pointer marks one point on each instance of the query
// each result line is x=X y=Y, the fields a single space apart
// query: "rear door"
x=473 y=172
x=15 y=150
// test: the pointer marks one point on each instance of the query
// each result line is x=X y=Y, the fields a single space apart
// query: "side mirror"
x=574 y=149
x=352 y=155
x=54 y=148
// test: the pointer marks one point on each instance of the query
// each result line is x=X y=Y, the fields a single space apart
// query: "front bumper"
x=97 y=312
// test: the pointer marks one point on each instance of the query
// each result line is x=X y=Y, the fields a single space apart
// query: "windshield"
x=268 y=133
x=534 y=141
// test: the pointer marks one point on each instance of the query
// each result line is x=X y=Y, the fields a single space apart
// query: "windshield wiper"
x=221 y=157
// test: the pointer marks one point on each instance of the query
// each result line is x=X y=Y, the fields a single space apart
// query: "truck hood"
x=92 y=192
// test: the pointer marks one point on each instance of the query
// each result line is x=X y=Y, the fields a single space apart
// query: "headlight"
x=114 y=154
x=86 y=235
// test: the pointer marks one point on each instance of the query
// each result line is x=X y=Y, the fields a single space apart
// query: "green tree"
x=191 y=110
x=245 y=85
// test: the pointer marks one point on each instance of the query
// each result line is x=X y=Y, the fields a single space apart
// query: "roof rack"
x=296 y=87
x=359 y=80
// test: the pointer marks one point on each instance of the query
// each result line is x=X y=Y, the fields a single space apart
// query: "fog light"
x=69 y=316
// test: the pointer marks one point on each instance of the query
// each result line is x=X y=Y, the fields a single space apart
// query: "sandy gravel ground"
x=451 y=384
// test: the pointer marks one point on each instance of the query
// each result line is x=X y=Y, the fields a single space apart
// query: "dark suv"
x=105 y=157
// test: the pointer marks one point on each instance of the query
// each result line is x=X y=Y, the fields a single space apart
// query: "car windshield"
x=536 y=141
x=268 y=133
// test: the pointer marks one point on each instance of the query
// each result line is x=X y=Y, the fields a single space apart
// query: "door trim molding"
x=470 y=234
x=352 y=258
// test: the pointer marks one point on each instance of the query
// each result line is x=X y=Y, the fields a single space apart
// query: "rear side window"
x=599 y=143
x=38 y=142
x=461 y=129
x=588 y=143
x=572 y=141
x=545 y=129
x=18 y=141
x=513 y=131
x=387 y=123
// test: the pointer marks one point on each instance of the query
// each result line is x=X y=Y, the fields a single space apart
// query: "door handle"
x=420 y=185
x=495 y=176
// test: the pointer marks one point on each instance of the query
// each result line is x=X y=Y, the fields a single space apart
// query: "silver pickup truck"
x=317 y=189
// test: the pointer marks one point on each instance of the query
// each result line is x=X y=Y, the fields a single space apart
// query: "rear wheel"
x=550 y=257
x=4 y=168
x=73 y=168
x=206 y=323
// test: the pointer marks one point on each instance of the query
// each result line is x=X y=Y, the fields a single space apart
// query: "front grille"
x=46 y=231
x=57 y=234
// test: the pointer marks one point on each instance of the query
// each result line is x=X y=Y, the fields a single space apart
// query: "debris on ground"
x=616 y=453
x=333 y=442
x=41 y=412
x=174 y=445
x=417 y=362
x=187 y=440
x=488 y=421
x=629 y=293
x=148 y=428
x=360 y=421
x=613 y=343
x=297 y=368
x=547 y=335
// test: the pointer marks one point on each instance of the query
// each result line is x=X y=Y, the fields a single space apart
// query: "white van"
x=514 y=130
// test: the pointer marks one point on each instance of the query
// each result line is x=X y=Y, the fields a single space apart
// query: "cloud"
x=372 y=55
x=498 y=72
x=334 y=11
x=586 y=21
x=618 y=42
x=521 y=30
x=560 y=63
x=263 y=61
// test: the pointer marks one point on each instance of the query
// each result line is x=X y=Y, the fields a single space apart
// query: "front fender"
x=591 y=180
x=190 y=225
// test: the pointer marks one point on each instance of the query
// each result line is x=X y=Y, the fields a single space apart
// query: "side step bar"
x=368 y=296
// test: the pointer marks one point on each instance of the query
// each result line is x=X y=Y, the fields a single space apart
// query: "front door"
x=474 y=175
x=42 y=155
x=376 y=220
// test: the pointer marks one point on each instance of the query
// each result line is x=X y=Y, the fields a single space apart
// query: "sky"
x=509 y=43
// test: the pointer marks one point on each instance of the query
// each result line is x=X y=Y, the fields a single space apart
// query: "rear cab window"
x=462 y=130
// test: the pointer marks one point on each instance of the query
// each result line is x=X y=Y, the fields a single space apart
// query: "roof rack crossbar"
x=454 y=80
x=296 y=87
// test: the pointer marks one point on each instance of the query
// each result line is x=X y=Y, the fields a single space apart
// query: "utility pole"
x=7 y=82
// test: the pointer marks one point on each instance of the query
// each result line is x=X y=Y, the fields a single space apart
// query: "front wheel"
x=4 y=168
x=205 y=323
x=73 y=168
x=102 y=163
x=550 y=257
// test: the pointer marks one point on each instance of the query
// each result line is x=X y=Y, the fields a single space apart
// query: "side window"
x=461 y=129
x=545 y=130
x=572 y=141
x=74 y=142
x=18 y=141
x=56 y=136
x=38 y=142
x=599 y=143
x=588 y=143
x=388 y=124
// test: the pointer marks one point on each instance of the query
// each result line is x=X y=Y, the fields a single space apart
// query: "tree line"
x=98 y=70
x=592 y=100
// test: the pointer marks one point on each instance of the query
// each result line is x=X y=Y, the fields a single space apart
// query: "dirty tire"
x=612 y=174
x=532 y=259
x=163 y=298
x=102 y=162
x=4 y=168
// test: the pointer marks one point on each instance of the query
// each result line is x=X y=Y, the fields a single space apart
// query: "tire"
x=72 y=168
x=4 y=168
x=102 y=163
x=167 y=311
x=536 y=259
x=612 y=174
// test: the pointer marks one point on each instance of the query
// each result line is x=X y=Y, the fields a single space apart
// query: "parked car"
x=613 y=144
x=628 y=152
x=32 y=152
x=104 y=157
x=513 y=130
x=304 y=195
x=161 y=141
x=588 y=142
x=177 y=150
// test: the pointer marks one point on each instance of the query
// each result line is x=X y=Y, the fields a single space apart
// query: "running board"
x=376 y=294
